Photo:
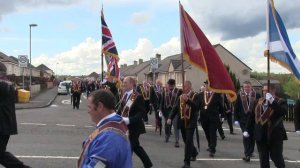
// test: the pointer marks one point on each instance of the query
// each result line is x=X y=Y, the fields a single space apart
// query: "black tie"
x=247 y=96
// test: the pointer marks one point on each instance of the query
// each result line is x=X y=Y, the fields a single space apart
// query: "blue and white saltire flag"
x=278 y=43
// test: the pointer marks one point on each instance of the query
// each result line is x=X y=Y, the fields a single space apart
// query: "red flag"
x=198 y=51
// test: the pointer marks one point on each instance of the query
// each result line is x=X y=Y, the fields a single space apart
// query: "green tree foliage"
x=236 y=82
x=289 y=87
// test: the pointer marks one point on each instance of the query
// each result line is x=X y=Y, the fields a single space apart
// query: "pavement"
x=45 y=99
x=41 y=100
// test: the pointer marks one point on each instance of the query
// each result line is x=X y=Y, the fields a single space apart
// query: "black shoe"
x=211 y=154
x=176 y=144
x=186 y=166
x=167 y=138
x=223 y=137
x=246 y=158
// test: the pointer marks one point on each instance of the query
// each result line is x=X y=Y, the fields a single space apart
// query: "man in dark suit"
x=158 y=89
x=169 y=98
x=8 y=121
x=187 y=108
x=132 y=109
x=76 y=93
x=266 y=122
x=211 y=108
x=147 y=91
x=243 y=107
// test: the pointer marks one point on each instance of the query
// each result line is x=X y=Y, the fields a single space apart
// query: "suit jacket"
x=8 y=121
x=268 y=127
x=193 y=103
x=165 y=103
x=151 y=95
x=136 y=113
x=214 y=108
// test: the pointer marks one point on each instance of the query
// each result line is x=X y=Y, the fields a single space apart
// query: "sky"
x=68 y=36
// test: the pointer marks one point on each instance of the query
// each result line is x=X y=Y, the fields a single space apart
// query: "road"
x=52 y=137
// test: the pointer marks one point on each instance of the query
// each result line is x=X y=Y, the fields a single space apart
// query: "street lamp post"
x=31 y=25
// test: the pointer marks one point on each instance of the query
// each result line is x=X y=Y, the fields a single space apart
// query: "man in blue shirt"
x=108 y=146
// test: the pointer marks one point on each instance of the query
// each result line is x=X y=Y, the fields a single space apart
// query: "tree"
x=291 y=88
x=235 y=81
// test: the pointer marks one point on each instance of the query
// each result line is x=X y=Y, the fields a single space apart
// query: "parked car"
x=62 y=87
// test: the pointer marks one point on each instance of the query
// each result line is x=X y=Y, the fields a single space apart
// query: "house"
x=45 y=71
x=171 y=67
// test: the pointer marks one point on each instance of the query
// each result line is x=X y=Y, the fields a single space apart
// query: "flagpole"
x=268 y=62
x=182 y=70
x=102 y=76
x=102 y=66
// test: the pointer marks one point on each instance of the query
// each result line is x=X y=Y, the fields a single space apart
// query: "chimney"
x=158 y=56
x=134 y=62
x=140 y=61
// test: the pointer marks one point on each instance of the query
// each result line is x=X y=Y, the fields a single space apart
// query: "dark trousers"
x=7 y=159
x=147 y=109
x=210 y=129
x=229 y=121
x=249 y=143
x=274 y=150
x=76 y=99
x=138 y=150
x=189 y=147
x=167 y=126
x=220 y=129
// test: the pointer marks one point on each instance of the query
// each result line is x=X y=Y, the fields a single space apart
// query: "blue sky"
x=68 y=36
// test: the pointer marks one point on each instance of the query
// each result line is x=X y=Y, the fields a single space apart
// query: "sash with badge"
x=207 y=99
x=126 y=108
x=170 y=101
x=145 y=92
x=118 y=127
x=185 y=109
x=262 y=112
x=248 y=100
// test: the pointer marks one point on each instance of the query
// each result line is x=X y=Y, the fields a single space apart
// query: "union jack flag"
x=109 y=50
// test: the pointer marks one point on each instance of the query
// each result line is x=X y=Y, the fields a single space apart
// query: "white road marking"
x=67 y=101
x=89 y=126
x=84 y=96
x=53 y=105
x=229 y=159
x=65 y=125
x=200 y=159
x=40 y=124
x=50 y=157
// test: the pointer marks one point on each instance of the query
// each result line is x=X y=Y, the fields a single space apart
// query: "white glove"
x=246 y=134
x=236 y=123
x=126 y=120
x=169 y=121
x=269 y=98
x=298 y=132
x=160 y=114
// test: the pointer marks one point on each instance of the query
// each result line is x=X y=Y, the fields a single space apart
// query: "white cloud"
x=82 y=59
x=140 y=18
x=85 y=58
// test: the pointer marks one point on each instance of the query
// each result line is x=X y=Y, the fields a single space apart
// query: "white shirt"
x=128 y=93
x=106 y=117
